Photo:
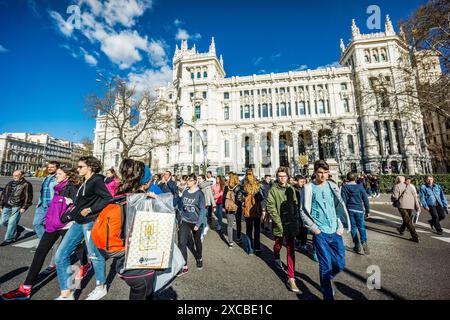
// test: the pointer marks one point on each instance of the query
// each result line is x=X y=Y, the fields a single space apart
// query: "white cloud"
x=276 y=56
x=182 y=34
x=301 y=67
x=122 y=12
x=64 y=27
x=90 y=59
x=177 y=22
x=157 y=54
x=335 y=64
x=256 y=61
x=122 y=48
x=150 y=79
x=100 y=24
x=3 y=49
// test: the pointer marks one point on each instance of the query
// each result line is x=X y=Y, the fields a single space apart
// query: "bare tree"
x=138 y=120
x=88 y=146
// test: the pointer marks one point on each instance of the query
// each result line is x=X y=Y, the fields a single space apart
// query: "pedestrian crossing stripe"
x=443 y=239
x=27 y=244
x=426 y=225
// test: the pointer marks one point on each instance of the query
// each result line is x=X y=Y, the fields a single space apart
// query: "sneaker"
x=230 y=245
x=357 y=249
x=400 y=231
x=183 y=271
x=416 y=240
x=205 y=231
x=5 y=243
x=18 y=294
x=278 y=264
x=70 y=297
x=98 y=293
x=199 y=264
x=440 y=232
x=84 y=270
x=292 y=285
x=257 y=251
x=239 y=240
x=49 y=269
x=250 y=254
x=366 y=248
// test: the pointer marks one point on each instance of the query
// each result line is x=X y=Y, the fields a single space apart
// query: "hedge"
x=387 y=181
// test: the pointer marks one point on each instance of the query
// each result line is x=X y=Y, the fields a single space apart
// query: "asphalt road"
x=406 y=270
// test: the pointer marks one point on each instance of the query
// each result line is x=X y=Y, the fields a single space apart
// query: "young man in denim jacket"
x=324 y=213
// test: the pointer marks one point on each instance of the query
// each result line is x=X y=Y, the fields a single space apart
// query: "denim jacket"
x=432 y=196
x=341 y=210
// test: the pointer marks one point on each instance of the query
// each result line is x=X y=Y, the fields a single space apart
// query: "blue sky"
x=47 y=66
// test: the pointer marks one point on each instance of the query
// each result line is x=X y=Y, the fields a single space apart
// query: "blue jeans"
x=38 y=221
x=10 y=220
x=70 y=242
x=205 y=223
x=219 y=216
x=358 y=224
x=331 y=254
x=253 y=243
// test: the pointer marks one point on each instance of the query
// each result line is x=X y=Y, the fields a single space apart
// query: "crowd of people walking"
x=289 y=209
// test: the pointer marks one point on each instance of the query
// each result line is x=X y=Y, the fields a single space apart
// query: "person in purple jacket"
x=65 y=190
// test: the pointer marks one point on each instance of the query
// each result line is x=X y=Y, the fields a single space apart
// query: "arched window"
x=192 y=75
x=374 y=56
x=197 y=112
x=247 y=112
x=351 y=145
x=321 y=107
x=383 y=56
x=265 y=110
x=226 y=113
x=205 y=74
x=346 y=106
x=283 y=111
x=198 y=75
x=301 y=107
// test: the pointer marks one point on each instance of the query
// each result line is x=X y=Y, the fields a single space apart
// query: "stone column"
x=295 y=147
x=275 y=150
x=257 y=153
x=315 y=140
x=237 y=151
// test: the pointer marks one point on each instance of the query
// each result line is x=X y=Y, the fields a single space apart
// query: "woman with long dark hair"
x=135 y=177
x=112 y=181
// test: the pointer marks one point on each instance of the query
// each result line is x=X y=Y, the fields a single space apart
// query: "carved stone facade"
x=293 y=118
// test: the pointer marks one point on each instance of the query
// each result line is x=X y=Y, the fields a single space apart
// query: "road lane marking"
x=443 y=239
x=426 y=225
x=27 y=244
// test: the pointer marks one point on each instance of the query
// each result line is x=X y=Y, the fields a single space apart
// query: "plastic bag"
x=164 y=278
x=150 y=232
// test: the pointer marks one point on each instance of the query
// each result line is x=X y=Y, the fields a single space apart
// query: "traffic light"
x=180 y=121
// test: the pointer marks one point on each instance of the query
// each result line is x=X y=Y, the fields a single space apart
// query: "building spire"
x=184 y=45
x=388 y=27
x=221 y=60
x=355 y=30
x=212 y=46
x=342 y=46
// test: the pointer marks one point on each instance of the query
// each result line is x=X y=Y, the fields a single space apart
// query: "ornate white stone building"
x=292 y=118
